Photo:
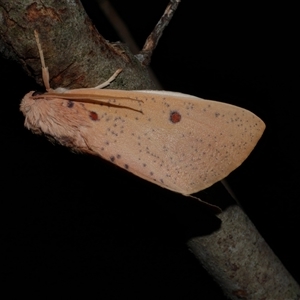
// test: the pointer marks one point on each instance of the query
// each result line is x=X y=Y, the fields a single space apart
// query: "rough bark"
x=78 y=56
x=242 y=263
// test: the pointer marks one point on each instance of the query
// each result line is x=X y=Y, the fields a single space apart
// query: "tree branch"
x=76 y=54
x=241 y=261
x=154 y=37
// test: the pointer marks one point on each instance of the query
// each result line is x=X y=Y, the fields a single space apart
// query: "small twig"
x=152 y=40
x=124 y=33
x=118 y=25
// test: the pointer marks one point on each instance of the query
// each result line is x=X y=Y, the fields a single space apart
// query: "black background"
x=73 y=218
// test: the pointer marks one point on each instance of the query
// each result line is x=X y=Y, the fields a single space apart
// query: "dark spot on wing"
x=93 y=116
x=70 y=104
x=175 y=117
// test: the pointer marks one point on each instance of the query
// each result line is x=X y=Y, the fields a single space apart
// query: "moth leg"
x=108 y=82
x=45 y=72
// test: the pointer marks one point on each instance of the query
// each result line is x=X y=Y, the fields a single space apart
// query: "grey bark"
x=78 y=56
x=241 y=261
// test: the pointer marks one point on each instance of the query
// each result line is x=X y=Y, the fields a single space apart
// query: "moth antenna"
x=109 y=81
x=45 y=72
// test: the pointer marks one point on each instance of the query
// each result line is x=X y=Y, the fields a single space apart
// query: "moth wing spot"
x=175 y=117
x=70 y=104
x=93 y=116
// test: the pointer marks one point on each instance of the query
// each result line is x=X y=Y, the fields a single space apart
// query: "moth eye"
x=37 y=93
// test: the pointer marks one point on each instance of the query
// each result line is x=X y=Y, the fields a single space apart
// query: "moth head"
x=27 y=103
x=31 y=111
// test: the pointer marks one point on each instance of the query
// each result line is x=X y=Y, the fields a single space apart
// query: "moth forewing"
x=177 y=141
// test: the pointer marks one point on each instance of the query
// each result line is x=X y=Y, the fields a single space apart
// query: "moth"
x=180 y=142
